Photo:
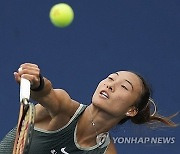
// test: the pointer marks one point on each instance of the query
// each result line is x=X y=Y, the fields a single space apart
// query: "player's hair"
x=143 y=106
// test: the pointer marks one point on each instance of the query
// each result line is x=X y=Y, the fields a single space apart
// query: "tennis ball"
x=61 y=15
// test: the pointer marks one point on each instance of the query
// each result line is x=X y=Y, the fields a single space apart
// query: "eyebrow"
x=126 y=80
x=117 y=73
x=129 y=83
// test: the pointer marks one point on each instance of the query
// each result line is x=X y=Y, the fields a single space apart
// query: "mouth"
x=104 y=94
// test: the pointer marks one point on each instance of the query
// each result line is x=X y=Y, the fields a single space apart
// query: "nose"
x=110 y=87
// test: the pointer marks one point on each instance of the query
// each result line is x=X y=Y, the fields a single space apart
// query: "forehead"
x=127 y=74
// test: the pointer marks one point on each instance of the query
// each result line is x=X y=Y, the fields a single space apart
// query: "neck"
x=94 y=122
x=102 y=120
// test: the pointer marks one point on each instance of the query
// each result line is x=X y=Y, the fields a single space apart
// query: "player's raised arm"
x=54 y=100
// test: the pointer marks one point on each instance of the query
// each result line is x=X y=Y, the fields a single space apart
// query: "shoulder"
x=65 y=104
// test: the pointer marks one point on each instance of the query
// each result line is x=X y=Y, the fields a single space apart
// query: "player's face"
x=117 y=93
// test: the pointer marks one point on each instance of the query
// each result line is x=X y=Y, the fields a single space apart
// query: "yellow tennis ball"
x=61 y=15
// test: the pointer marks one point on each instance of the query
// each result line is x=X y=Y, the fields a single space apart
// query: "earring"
x=127 y=114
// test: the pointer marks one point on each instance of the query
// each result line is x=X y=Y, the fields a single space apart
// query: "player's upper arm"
x=111 y=148
x=56 y=101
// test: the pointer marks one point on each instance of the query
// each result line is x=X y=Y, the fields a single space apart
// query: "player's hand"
x=28 y=71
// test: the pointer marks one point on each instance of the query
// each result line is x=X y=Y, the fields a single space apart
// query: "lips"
x=104 y=94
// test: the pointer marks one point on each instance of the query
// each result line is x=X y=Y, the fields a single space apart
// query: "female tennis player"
x=63 y=125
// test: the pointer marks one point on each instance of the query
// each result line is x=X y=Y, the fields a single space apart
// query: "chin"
x=98 y=103
x=101 y=104
x=106 y=107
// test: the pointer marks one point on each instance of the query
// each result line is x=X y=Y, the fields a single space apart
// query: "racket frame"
x=25 y=108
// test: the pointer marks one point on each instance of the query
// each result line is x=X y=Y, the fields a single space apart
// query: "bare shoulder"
x=66 y=103
x=41 y=113
x=111 y=148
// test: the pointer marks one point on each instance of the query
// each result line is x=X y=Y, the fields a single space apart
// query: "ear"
x=132 y=111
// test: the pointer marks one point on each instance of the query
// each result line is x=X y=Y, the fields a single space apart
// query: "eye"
x=124 y=87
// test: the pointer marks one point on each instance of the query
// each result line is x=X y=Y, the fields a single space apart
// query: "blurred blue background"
x=105 y=36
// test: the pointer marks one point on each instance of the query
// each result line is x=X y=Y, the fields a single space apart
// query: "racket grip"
x=24 y=89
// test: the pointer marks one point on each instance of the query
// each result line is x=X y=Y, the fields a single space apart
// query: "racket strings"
x=23 y=133
x=25 y=129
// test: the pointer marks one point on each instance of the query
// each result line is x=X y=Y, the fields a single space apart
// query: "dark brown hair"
x=143 y=106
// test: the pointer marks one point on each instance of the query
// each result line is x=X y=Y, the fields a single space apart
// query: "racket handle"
x=24 y=89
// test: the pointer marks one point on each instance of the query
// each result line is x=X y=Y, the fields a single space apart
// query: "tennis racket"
x=25 y=120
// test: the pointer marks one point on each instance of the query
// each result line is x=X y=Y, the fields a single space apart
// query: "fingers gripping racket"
x=25 y=121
